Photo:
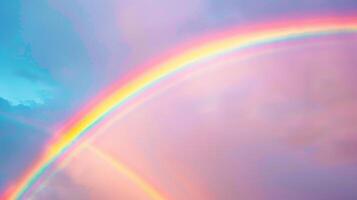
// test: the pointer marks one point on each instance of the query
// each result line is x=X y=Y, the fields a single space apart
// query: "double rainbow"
x=186 y=56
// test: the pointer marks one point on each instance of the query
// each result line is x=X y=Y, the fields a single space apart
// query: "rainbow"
x=203 y=49
x=121 y=168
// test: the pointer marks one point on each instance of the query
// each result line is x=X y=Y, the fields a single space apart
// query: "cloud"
x=151 y=27
x=21 y=80
x=62 y=186
x=17 y=64
x=20 y=144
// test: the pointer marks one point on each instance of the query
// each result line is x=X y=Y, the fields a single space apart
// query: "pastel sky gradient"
x=281 y=125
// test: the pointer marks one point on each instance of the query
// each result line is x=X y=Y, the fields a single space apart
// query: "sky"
x=279 y=125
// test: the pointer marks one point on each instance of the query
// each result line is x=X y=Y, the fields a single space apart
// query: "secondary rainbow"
x=186 y=56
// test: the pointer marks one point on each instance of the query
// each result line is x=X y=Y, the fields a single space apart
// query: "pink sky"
x=275 y=126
